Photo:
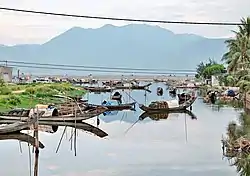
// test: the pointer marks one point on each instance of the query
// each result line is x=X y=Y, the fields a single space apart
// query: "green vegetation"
x=238 y=57
x=237 y=141
x=28 y=95
x=206 y=70
x=238 y=135
x=237 y=60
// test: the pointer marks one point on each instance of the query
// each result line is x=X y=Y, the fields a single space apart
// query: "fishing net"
x=159 y=105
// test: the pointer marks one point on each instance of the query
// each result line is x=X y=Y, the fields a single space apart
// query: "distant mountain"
x=134 y=46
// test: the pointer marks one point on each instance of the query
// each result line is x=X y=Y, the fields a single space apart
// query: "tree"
x=206 y=70
x=238 y=55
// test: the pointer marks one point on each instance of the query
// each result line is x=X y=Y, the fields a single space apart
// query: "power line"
x=122 y=19
x=95 y=67
x=97 y=70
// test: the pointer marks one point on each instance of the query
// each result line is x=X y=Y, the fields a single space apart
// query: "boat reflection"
x=164 y=115
x=22 y=137
x=52 y=127
x=236 y=145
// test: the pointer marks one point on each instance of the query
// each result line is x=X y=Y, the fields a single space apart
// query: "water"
x=176 y=146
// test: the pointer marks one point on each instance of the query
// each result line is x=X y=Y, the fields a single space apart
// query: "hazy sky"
x=18 y=28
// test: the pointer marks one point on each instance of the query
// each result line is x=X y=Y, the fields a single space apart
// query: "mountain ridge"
x=133 y=45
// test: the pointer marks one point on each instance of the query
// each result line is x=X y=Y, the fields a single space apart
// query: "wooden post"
x=36 y=144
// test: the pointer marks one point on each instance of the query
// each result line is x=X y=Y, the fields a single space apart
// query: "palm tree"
x=238 y=55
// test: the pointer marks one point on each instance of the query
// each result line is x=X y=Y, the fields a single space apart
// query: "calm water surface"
x=176 y=146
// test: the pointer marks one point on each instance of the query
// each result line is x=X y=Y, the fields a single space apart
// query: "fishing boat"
x=116 y=106
x=22 y=137
x=134 y=87
x=165 y=115
x=98 y=89
x=112 y=83
x=172 y=90
x=54 y=114
x=159 y=91
x=168 y=106
x=183 y=97
x=113 y=105
x=116 y=96
x=17 y=126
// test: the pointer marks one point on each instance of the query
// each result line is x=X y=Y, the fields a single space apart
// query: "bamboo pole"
x=36 y=144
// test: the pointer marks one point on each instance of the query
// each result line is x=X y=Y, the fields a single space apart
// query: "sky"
x=20 y=28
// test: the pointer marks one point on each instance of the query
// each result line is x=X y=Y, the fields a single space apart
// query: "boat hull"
x=129 y=106
x=181 y=107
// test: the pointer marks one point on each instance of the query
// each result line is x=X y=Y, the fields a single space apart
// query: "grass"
x=28 y=95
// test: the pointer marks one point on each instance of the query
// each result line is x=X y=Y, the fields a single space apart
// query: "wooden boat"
x=115 y=106
x=159 y=91
x=172 y=90
x=78 y=125
x=98 y=89
x=116 y=96
x=112 y=83
x=159 y=106
x=183 y=97
x=22 y=138
x=17 y=126
x=134 y=87
x=54 y=114
x=164 y=115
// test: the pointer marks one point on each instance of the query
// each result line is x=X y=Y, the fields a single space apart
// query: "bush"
x=30 y=90
x=4 y=90
x=13 y=100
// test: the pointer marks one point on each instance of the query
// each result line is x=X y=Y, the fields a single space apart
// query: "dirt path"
x=18 y=91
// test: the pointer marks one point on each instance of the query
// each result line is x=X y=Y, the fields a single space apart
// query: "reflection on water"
x=128 y=143
x=236 y=145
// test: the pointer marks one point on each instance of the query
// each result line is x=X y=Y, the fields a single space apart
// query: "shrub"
x=13 y=100
x=30 y=90
x=4 y=90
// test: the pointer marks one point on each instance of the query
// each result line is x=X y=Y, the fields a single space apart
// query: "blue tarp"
x=230 y=93
x=109 y=103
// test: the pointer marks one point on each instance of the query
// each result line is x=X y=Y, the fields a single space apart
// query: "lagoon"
x=176 y=146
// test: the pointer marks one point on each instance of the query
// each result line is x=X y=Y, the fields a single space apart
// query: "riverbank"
x=28 y=95
x=222 y=98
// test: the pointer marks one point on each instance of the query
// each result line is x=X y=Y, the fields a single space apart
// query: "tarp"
x=173 y=103
x=109 y=103
x=230 y=93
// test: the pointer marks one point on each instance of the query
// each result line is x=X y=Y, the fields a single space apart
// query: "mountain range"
x=133 y=46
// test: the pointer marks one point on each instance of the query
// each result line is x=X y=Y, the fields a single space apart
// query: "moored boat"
x=164 y=115
x=159 y=91
x=117 y=96
x=113 y=105
x=135 y=87
x=98 y=89
x=172 y=90
x=54 y=114
x=18 y=126
x=169 y=106
x=116 y=106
